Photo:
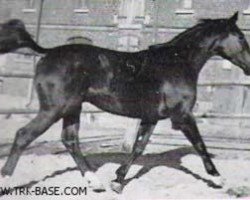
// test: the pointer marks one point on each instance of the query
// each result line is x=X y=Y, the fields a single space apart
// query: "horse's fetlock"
x=67 y=143
x=68 y=139
x=139 y=151
x=201 y=147
x=121 y=172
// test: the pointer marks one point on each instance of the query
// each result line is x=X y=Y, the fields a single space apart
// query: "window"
x=247 y=11
x=29 y=6
x=187 y=4
x=81 y=6
x=130 y=10
x=128 y=43
x=139 y=7
x=185 y=7
x=22 y=58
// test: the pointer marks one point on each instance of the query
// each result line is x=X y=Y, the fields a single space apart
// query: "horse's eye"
x=241 y=38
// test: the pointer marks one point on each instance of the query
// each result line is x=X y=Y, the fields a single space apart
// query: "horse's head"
x=233 y=46
x=13 y=35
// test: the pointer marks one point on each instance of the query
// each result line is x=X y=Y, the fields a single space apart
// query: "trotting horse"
x=151 y=85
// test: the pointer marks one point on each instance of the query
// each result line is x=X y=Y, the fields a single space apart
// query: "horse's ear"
x=234 y=18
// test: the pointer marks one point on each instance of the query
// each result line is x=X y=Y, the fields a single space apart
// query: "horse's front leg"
x=187 y=124
x=143 y=135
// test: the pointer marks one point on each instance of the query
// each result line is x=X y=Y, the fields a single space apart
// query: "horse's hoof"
x=94 y=183
x=116 y=187
x=218 y=181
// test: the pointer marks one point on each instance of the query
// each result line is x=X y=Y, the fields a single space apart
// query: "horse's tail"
x=37 y=48
x=13 y=36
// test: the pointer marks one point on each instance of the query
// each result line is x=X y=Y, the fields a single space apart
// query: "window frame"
x=185 y=10
x=30 y=6
x=81 y=7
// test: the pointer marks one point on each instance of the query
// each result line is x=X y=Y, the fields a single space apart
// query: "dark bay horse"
x=151 y=85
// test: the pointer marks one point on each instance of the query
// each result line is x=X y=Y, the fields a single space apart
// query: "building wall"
x=132 y=25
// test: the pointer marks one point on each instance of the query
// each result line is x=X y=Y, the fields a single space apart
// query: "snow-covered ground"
x=169 y=168
x=160 y=182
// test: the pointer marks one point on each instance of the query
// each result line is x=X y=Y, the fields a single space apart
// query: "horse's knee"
x=181 y=122
x=178 y=124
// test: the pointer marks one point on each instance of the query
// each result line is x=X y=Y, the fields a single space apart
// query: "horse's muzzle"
x=247 y=72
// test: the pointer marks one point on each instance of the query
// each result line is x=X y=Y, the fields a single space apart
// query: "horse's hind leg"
x=143 y=135
x=70 y=140
x=186 y=123
x=26 y=135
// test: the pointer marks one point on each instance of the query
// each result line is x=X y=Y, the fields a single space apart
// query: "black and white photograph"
x=124 y=99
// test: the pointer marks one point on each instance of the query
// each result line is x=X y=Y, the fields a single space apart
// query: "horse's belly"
x=113 y=103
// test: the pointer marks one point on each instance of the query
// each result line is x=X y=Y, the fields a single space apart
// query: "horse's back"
x=103 y=77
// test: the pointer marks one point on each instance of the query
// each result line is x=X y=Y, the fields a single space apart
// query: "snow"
x=160 y=182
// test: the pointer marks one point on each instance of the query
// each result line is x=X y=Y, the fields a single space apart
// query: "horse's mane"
x=204 y=28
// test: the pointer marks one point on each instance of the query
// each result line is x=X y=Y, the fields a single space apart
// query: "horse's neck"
x=198 y=59
x=197 y=55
